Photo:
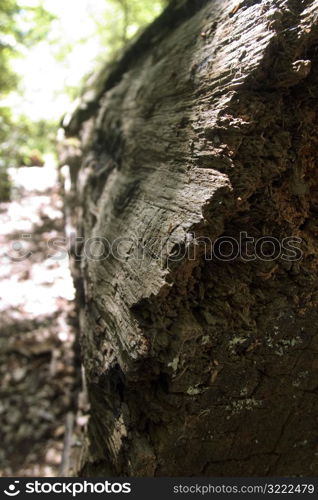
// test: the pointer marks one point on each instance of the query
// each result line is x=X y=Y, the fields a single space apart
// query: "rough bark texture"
x=207 y=126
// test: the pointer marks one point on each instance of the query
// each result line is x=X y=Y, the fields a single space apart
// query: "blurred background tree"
x=47 y=50
x=123 y=19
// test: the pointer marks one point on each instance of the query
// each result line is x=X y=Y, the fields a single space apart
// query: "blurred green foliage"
x=128 y=17
x=20 y=26
x=8 y=10
x=24 y=142
x=20 y=139
x=23 y=25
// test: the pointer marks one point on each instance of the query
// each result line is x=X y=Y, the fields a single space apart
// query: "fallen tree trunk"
x=200 y=359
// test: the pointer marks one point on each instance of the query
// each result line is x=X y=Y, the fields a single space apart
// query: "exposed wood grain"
x=210 y=135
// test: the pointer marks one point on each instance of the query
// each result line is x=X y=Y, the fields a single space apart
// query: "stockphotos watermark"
x=243 y=247
x=62 y=487
x=157 y=488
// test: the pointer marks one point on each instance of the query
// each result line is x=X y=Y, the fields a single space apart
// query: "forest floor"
x=38 y=381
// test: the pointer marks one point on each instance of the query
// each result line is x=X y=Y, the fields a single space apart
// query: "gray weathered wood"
x=206 y=127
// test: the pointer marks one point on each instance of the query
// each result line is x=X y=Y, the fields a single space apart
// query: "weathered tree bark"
x=206 y=127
